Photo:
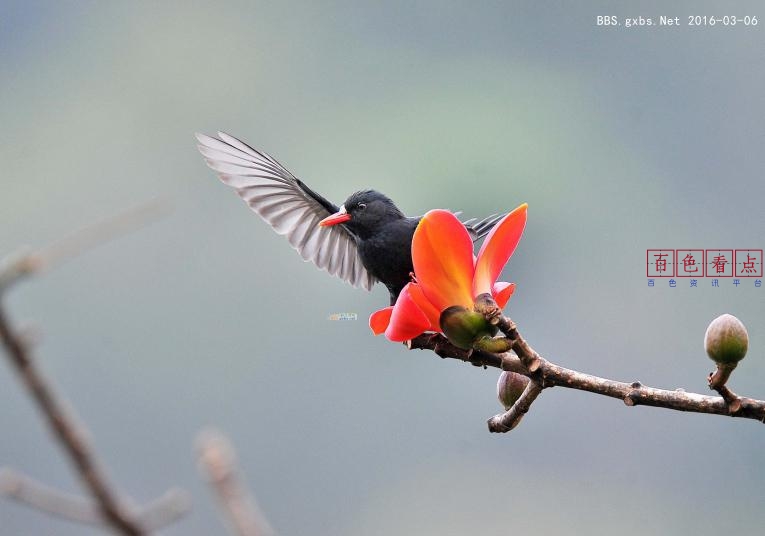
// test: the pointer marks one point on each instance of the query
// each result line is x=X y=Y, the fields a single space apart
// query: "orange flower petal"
x=379 y=320
x=502 y=292
x=442 y=254
x=430 y=311
x=407 y=319
x=497 y=249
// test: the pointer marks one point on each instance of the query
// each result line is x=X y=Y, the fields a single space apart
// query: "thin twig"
x=66 y=429
x=159 y=513
x=217 y=460
x=47 y=499
x=504 y=422
x=25 y=263
x=717 y=381
x=62 y=423
x=165 y=509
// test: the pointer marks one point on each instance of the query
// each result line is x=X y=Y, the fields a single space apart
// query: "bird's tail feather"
x=480 y=228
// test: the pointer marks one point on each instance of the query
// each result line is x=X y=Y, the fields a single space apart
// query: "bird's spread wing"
x=480 y=228
x=287 y=205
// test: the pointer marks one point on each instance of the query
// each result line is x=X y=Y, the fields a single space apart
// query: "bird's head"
x=363 y=212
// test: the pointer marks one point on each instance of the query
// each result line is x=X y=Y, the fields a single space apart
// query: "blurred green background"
x=619 y=139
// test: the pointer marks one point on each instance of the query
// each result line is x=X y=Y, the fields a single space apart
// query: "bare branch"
x=504 y=422
x=25 y=262
x=48 y=500
x=16 y=267
x=165 y=509
x=717 y=381
x=441 y=346
x=217 y=460
x=160 y=513
x=96 y=234
x=66 y=429
x=528 y=362
x=63 y=424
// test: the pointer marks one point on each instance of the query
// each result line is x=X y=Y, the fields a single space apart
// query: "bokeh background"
x=619 y=139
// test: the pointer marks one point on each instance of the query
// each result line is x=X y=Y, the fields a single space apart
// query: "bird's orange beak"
x=338 y=217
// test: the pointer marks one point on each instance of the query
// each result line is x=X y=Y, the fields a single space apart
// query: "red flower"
x=448 y=274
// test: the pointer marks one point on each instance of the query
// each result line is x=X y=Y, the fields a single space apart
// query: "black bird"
x=365 y=240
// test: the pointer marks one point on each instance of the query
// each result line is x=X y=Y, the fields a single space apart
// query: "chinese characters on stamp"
x=696 y=264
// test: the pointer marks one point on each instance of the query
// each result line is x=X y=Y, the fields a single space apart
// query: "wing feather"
x=287 y=205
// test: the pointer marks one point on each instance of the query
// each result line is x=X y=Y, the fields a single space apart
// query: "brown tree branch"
x=66 y=429
x=62 y=423
x=217 y=460
x=504 y=422
x=446 y=350
x=525 y=360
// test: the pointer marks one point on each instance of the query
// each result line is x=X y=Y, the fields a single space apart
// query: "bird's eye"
x=362 y=206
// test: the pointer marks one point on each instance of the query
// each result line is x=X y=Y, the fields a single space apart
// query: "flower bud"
x=510 y=386
x=726 y=340
x=463 y=327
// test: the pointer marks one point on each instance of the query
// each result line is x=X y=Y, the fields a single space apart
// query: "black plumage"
x=365 y=240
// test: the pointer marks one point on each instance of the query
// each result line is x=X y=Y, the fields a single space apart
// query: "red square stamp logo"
x=660 y=263
x=690 y=262
x=748 y=263
x=719 y=263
